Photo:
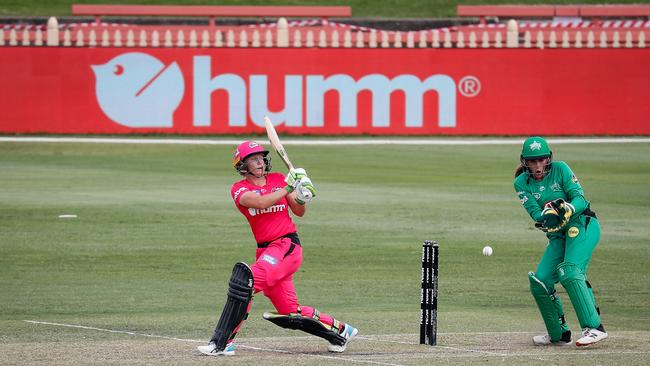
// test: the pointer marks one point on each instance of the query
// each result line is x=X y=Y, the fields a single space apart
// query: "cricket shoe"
x=591 y=336
x=211 y=349
x=545 y=340
x=349 y=332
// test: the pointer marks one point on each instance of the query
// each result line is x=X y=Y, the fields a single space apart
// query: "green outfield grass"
x=360 y=8
x=157 y=235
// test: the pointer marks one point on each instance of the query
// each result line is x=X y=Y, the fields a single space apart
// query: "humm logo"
x=137 y=90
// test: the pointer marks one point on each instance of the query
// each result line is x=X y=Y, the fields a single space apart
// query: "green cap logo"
x=535 y=146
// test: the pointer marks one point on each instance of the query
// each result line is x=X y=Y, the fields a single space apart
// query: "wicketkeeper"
x=265 y=199
x=553 y=197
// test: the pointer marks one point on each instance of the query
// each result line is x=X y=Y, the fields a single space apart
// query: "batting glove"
x=305 y=191
x=293 y=178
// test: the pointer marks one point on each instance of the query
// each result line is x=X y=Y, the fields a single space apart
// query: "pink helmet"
x=246 y=149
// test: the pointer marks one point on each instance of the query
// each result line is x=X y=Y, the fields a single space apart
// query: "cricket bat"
x=276 y=144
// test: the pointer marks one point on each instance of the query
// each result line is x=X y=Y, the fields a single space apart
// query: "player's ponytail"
x=520 y=169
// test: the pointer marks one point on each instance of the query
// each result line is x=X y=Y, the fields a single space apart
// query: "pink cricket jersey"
x=270 y=223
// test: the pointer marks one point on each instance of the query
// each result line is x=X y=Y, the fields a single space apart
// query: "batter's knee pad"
x=575 y=283
x=240 y=293
x=311 y=325
x=552 y=314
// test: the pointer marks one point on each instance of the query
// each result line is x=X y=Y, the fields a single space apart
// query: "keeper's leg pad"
x=550 y=308
x=575 y=283
x=309 y=325
x=240 y=293
x=593 y=298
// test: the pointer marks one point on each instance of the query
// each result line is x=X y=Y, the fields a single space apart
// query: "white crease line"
x=377 y=337
x=348 y=359
x=491 y=353
x=451 y=333
x=334 y=141
x=439 y=346
x=588 y=353
x=113 y=331
x=580 y=353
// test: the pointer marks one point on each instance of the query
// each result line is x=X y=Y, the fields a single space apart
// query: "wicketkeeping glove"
x=556 y=215
x=541 y=226
x=293 y=178
x=305 y=191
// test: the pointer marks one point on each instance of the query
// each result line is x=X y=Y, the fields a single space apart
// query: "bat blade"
x=276 y=144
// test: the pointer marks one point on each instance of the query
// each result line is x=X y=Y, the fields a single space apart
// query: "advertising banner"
x=325 y=91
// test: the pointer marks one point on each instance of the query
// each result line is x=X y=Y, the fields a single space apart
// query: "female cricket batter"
x=553 y=197
x=265 y=198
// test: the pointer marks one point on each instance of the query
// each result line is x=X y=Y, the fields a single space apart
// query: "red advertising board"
x=325 y=91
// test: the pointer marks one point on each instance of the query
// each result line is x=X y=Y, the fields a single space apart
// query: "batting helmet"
x=246 y=149
x=535 y=148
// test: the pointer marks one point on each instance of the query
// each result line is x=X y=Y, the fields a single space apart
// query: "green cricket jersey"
x=559 y=182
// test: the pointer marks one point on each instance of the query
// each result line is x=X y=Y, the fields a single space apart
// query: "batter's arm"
x=254 y=200
x=297 y=209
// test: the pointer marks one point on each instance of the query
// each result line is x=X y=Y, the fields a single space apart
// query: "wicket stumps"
x=429 y=293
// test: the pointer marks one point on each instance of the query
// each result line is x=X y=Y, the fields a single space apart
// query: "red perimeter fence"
x=418 y=91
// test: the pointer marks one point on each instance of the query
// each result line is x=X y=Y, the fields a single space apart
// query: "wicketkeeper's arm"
x=573 y=189
x=528 y=201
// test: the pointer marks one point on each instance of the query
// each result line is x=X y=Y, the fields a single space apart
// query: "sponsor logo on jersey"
x=555 y=187
x=573 y=232
x=269 y=259
x=272 y=209
x=522 y=197
x=574 y=179
x=537 y=195
x=239 y=191
x=542 y=188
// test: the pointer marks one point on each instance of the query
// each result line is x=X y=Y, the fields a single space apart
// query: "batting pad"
x=575 y=283
x=240 y=292
x=306 y=324
x=549 y=306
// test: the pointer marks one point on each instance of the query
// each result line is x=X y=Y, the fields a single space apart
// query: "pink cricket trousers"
x=273 y=275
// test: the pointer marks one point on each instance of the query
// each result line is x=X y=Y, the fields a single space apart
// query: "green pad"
x=575 y=283
x=549 y=306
